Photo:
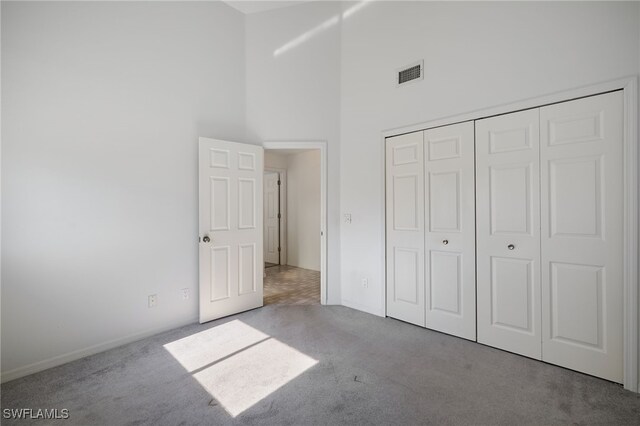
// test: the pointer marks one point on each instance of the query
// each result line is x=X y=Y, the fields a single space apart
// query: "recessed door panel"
x=510 y=189
x=444 y=201
x=220 y=207
x=246 y=161
x=450 y=233
x=577 y=304
x=220 y=277
x=405 y=228
x=406 y=281
x=406 y=154
x=512 y=294
x=586 y=126
x=443 y=149
x=405 y=199
x=247 y=203
x=445 y=282
x=582 y=234
x=219 y=158
x=575 y=184
x=508 y=234
x=517 y=137
x=246 y=268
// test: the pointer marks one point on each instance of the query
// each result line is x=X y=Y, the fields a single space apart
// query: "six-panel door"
x=582 y=243
x=405 y=228
x=450 y=230
x=508 y=232
x=230 y=193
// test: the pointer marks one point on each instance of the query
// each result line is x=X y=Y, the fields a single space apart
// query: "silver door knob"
x=445 y=242
x=511 y=246
x=206 y=239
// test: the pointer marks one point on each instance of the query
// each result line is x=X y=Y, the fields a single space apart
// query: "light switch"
x=347 y=218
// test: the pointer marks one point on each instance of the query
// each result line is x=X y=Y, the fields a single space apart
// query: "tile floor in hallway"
x=289 y=285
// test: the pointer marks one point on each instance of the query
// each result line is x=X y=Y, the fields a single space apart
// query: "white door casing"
x=582 y=201
x=230 y=219
x=271 y=219
x=450 y=229
x=405 y=228
x=508 y=232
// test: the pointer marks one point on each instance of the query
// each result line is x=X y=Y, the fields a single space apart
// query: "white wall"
x=476 y=55
x=273 y=160
x=303 y=210
x=102 y=106
x=295 y=95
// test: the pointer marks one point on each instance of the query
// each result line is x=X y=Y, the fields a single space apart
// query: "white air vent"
x=413 y=72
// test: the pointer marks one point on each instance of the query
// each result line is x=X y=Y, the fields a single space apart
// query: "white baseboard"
x=91 y=350
x=363 y=308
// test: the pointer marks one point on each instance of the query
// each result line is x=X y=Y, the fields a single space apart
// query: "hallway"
x=288 y=285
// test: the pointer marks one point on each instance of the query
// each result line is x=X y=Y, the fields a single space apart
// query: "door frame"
x=629 y=87
x=322 y=146
x=283 y=211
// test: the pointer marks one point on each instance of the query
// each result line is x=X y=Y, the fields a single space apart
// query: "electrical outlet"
x=347 y=218
x=153 y=300
x=185 y=293
x=365 y=282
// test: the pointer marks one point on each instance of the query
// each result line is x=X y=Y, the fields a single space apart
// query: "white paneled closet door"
x=582 y=235
x=405 y=227
x=450 y=230
x=508 y=232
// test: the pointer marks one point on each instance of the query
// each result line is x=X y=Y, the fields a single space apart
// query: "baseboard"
x=56 y=361
x=363 y=308
x=303 y=267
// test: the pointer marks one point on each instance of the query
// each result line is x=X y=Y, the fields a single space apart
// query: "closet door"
x=508 y=234
x=405 y=227
x=450 y=230
x=582 y=240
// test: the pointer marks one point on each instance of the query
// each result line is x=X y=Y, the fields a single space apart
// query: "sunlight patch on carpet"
x=238 y=365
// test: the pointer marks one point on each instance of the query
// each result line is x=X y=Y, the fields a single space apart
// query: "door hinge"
x=279 y=248
x=279 y=183
x=279 y=216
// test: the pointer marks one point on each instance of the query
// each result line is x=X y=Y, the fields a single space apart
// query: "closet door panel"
x=450 y=230
x=582 y=241
x=405 y=227
x=508 y=234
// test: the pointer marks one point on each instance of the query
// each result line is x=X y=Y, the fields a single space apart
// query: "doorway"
x=294 y=228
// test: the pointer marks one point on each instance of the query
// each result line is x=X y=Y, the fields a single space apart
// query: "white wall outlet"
x=365 y=282
x=347 y=218
x=185 y=293
x=153 y=300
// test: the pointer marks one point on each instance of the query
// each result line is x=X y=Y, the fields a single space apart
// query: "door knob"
x=445 y=242
x=206 y=239
x=511 y=246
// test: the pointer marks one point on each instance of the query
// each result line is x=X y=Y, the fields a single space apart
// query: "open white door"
x=272 y=218
x=230 y=226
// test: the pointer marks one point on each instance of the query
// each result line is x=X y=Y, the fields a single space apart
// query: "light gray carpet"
x=294 y=365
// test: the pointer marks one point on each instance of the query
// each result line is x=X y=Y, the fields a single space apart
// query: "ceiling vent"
x=412 y=72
